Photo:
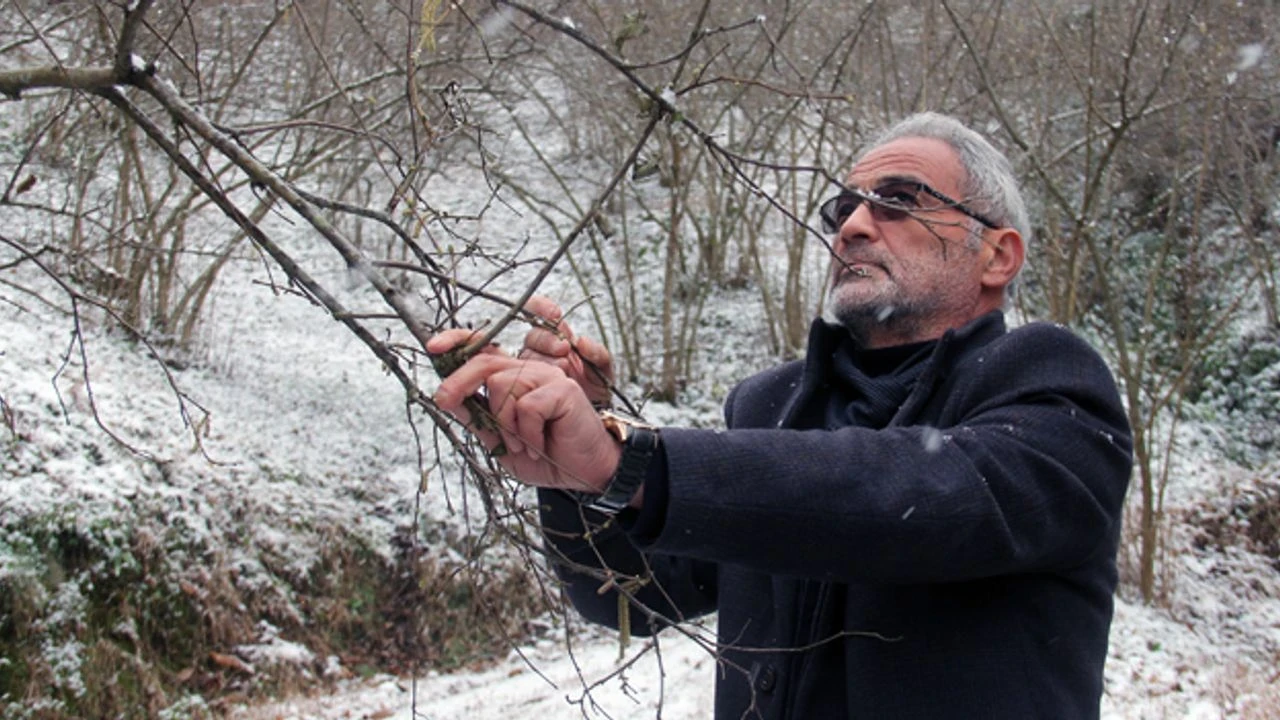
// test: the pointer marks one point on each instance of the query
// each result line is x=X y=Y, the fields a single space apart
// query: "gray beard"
x=860 y=321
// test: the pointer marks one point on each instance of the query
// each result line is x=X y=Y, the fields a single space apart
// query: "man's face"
x=909 y=278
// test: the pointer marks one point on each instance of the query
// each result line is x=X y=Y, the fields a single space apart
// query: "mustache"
x=841 y=265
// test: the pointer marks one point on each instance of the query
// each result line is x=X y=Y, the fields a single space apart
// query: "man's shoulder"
x=769 y=388
x=1039 y=337
x=778 y=378
x=1032 y=354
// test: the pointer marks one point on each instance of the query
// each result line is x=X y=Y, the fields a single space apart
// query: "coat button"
x=766 y=679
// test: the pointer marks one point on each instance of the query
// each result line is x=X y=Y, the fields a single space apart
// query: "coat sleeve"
x=588 y=552
x=675 y=588
x=1023 y=469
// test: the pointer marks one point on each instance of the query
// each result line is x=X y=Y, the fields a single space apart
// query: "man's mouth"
x=856 y=270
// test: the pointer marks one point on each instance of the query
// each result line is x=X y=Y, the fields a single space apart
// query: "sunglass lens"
x=836 y=210
x=897 y=201
x=887 y=213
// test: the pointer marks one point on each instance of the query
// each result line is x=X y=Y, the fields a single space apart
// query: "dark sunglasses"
x=890 y=202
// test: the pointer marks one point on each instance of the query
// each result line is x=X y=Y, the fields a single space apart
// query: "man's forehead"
x=928 y=160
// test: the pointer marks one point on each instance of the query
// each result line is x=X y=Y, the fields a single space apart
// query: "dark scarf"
x=863 y=387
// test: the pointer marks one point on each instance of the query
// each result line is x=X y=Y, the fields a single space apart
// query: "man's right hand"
x=582 y=359
x=550 y=435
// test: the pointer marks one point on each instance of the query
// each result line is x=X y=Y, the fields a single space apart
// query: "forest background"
x=183 y=182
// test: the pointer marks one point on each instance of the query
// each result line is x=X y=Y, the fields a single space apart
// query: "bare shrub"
x=1251 y=519
x=1248 y=693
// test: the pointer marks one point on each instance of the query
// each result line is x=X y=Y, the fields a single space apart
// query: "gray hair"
x=989 y=186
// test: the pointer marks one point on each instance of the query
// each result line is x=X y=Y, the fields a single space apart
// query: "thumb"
x=545 y=308
x=594 y=353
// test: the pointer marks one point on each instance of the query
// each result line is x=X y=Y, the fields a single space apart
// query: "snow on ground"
x=1159 y=668
x=546 y=681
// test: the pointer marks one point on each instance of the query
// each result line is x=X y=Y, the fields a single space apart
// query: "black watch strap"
x=637 y=452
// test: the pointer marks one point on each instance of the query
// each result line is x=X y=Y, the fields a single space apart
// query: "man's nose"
x=859 y=227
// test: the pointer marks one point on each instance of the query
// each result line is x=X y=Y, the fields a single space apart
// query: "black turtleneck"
x=863 y=387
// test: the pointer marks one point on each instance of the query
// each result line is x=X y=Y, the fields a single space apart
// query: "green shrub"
x=112 y=619
x=1240 y=390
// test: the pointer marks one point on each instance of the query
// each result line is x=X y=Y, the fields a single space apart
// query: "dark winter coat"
x=958 y=563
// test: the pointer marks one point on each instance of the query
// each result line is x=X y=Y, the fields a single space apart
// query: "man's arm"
x=1024 y=470
x=541 y=414
x=595 y=556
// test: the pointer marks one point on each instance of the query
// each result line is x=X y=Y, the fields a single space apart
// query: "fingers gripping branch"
x=542 y=419
x=587 y=362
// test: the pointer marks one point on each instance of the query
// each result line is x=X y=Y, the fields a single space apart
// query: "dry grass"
x=1248 y=693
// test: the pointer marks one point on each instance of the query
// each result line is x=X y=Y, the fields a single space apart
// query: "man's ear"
x=1005 y=252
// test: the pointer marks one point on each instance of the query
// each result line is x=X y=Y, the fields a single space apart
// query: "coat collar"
x=951 y=349
x=825 y=338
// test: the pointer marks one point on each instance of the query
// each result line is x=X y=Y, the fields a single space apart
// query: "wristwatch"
x=639 y=443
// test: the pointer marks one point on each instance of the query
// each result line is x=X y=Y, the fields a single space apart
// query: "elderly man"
x=917 y=520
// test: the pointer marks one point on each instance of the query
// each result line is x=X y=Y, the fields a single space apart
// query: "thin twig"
x=587 y=219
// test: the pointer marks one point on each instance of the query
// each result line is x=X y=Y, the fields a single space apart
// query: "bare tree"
x=187 y=130
x=1124 y=159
